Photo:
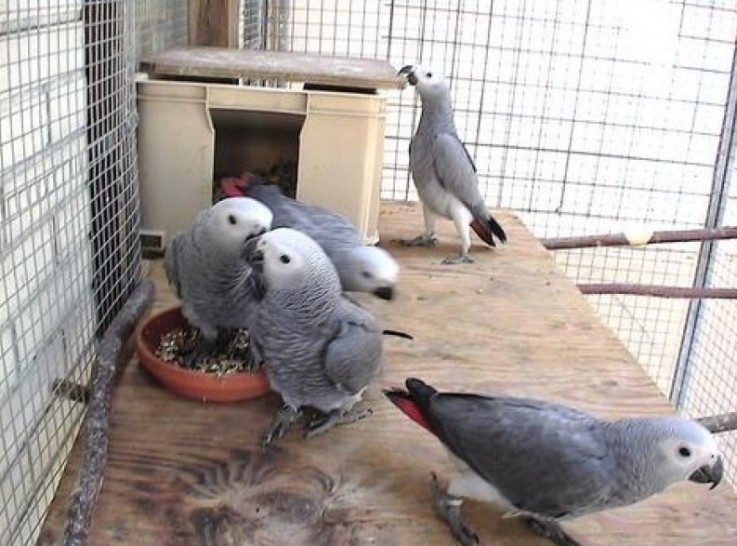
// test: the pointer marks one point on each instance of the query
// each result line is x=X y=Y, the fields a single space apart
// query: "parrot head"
x=427 y=80
x=686 y=451
x=234 y=221
x=286 y=258
x=372 y=270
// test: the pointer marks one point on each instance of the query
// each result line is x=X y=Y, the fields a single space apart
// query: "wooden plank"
x=186 y=473
x=285 y=66
x=213 y=23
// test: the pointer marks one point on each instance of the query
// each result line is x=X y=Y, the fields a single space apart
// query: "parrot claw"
x=252 y=362
x=322 y=424
x=427 y=241
x=282 y=422
x=462 y=259
x=553 y=532
x=448 y=508
x=202 y=348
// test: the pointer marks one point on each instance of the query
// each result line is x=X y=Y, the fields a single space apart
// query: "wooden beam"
x=720 y=423
x=213 y=23
x=686 y=292
x=622 y=239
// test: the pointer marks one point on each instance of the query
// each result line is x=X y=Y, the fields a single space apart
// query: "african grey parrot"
x=443 y=171
x=206 y=267
x=549 y=462
x=319 y=349
x=361 y=268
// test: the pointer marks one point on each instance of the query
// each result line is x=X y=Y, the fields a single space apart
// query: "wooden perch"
x=622 y=239
x=720 y=423
x=98 y=414
x=655 y=291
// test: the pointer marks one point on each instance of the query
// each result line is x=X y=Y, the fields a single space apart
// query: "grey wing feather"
x=330 y=229
x=544 y=458
x=455 y=170
x=171 y=261
x=353 y=356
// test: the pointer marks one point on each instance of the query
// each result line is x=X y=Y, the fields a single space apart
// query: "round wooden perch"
x=659 y=291
x=720 y=423
x=621 y=239
x=98 y=414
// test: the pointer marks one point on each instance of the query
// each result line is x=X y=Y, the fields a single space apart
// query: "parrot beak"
x=709 y=474
x=409 y=72
x=253 y=254
x=385 y=292
x=256 y=260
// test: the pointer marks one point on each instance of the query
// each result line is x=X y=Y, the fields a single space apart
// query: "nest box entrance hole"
x=262 y=143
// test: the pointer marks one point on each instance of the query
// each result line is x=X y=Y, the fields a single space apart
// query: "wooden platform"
x=185 y=473
x=310 y=68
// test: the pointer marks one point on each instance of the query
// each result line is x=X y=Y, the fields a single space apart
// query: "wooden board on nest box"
x=186 y=473
x=309 y=68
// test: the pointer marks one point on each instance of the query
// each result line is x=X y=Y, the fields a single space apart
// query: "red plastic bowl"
x=190 y=383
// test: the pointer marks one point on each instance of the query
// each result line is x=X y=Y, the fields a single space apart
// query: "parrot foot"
x=282 y=422
x=322 y=424
x=553 y=532
x=427 y=241
x=252 y=361
x=204 y=347
x=448 y=508
x=462 y=259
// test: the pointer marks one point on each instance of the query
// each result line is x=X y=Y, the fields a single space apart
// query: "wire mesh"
x=69 y=248
x=161 y=24
x=585 y=117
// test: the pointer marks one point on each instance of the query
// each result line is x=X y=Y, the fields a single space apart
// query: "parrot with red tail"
x=548 y=462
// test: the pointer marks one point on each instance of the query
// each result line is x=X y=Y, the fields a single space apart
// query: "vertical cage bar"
x=714 y=218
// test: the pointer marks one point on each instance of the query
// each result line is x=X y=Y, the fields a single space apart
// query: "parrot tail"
x=486 y=228
x=413 y=403
x=232 y=187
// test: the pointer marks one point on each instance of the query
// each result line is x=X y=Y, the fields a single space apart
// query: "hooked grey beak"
x=385 y=292
x=709 y=474
x=409 y=72
x=252 y=254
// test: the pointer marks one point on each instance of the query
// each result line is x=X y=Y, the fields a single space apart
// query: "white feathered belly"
x=440 y=201
x=470 y=485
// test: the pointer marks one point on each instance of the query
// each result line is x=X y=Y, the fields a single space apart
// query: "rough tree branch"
x=97 y=423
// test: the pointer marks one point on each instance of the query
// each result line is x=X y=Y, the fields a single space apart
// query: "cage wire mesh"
x=69 y=245
x=584 y=117
x=161 y=24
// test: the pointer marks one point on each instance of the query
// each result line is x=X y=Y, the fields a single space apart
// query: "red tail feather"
x=483 y=232
x=233 y=187
x=403 y=401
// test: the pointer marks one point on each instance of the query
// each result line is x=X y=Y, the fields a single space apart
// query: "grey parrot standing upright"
x=361 y=268
x=320 y=350
x=207 y=269
x=443 y=171
x=549 y=462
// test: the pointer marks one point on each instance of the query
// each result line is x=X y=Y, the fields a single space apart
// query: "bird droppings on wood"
x=177 y=343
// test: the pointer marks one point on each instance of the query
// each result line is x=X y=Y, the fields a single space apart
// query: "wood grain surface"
x=310 y=68
x=186 y=473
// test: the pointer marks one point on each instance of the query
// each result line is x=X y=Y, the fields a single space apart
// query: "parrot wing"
x=456 y=172
x=353 y=355
x=171 y=262
x=544 y=458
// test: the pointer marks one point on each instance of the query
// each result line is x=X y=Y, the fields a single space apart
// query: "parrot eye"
x=429 y=74
x=284 y=259
x=232 y=220
x=684 y=451
x=366 y=274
